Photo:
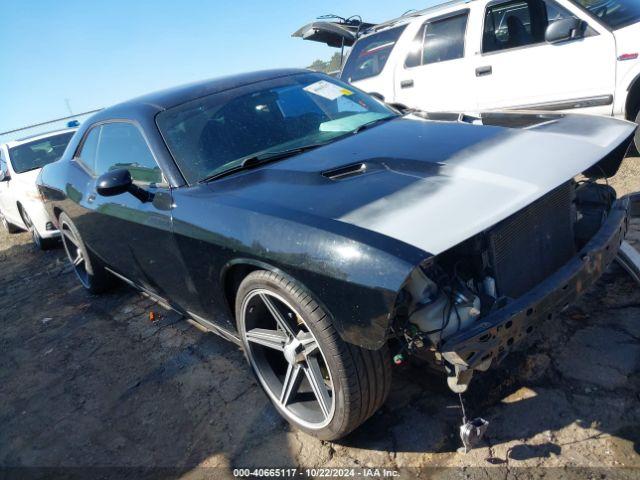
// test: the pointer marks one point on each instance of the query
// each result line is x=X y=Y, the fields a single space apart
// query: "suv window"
x=370 y=54
x=614 y=13
x=122 y=145
x=519 y=23
x=439 y=41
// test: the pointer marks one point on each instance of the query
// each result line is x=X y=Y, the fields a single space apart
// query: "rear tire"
x=354 y=382
x=89 y=270
x=9 y=227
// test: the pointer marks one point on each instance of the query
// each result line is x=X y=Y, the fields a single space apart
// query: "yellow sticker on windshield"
x=328 y=90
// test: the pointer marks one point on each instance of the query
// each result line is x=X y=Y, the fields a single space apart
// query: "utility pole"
x=68 y=103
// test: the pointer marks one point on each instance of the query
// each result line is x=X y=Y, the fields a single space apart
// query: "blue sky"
x=96 y=53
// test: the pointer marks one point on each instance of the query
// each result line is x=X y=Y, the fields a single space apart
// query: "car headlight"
x=33 y=194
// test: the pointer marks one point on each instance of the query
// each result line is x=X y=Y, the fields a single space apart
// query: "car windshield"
x=614 y=13
x=217 y=133
x=38 y=153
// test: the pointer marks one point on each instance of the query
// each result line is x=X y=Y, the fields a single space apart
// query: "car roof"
x=171 y=97
x=38 y=136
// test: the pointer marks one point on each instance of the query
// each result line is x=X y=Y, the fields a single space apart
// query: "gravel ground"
x=88 y=381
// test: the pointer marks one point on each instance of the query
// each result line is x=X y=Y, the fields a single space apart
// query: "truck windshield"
x=37 y=154
x=220 y=132
x=614 y=13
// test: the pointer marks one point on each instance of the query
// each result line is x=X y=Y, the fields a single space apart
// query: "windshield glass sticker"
x=328 y=90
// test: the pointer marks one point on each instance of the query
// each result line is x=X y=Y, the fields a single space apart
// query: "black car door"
x=133 y=238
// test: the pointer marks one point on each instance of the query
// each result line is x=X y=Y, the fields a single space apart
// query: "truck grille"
x=533 y=243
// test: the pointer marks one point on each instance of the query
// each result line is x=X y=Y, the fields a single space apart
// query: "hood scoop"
x=345 y=172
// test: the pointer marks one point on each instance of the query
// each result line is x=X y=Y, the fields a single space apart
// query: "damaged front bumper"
x=487 y=342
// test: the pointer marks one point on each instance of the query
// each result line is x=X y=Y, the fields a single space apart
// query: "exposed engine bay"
x=457 y=289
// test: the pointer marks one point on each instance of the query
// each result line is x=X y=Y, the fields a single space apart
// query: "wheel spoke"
x=281 y=321
x=70 y=237
x=308 y=342
x=79 y=259
x=268 y=338
x=291 y=383
x=314 y=375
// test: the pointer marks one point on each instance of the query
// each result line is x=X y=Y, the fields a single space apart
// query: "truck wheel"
x=316 y=381
x=634 y=151
x=9 y=227
x=88 y=269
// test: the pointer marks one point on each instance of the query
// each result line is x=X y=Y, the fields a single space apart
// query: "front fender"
x=355 y=283
x=629 y=81
x=354 y=273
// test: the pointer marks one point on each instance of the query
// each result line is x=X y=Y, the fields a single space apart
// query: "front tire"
x=9 y=227
x=316 y=381
x=634 y=151
x=89 y=270
x=38 y=241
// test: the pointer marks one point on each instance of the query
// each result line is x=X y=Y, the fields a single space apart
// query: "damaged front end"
x=467 y=307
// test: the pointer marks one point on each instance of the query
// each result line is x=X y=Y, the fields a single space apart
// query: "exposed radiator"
x=533 y=243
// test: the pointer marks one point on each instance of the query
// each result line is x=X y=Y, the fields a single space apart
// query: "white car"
x=21 y=207
x=477 y=55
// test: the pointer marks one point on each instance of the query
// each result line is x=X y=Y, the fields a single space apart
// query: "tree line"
x=326 y=66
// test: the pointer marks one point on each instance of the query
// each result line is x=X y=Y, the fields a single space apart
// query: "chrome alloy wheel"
x=75 y=253
x=287 y=359
x=32 y=229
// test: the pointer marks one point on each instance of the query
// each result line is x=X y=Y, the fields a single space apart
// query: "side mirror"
x=117 y=182
x=114 y=182
x=565 y=29
x=4 y=176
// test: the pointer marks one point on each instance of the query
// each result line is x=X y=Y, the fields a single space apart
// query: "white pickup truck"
x=21 y=207
x=477 y=55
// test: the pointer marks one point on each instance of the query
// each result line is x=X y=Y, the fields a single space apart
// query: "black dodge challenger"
x=321 y=229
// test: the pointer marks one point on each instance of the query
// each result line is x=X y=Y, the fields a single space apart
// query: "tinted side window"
x=370 y=54
x=519 y=23
x=444 y=40
x=89 y=148
x=123 y=146
x=439 y=41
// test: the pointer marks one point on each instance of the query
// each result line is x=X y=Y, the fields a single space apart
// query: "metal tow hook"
x=471 y=431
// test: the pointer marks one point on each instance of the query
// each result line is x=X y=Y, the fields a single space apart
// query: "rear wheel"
x=317 y=382
x=38 y=241
x=9 y=227
x=88 y=269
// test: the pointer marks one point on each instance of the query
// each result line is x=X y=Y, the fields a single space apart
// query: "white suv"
x=568 y=55
x=21 y=207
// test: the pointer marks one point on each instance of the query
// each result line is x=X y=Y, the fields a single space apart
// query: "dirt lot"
x=90 y=381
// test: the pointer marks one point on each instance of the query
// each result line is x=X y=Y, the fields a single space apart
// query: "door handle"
x=91 y=198
x=482 y=71
x=406 y=84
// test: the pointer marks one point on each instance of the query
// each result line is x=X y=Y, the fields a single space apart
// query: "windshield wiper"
x=370 y=124
x=277 y=155
x=261 y=159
